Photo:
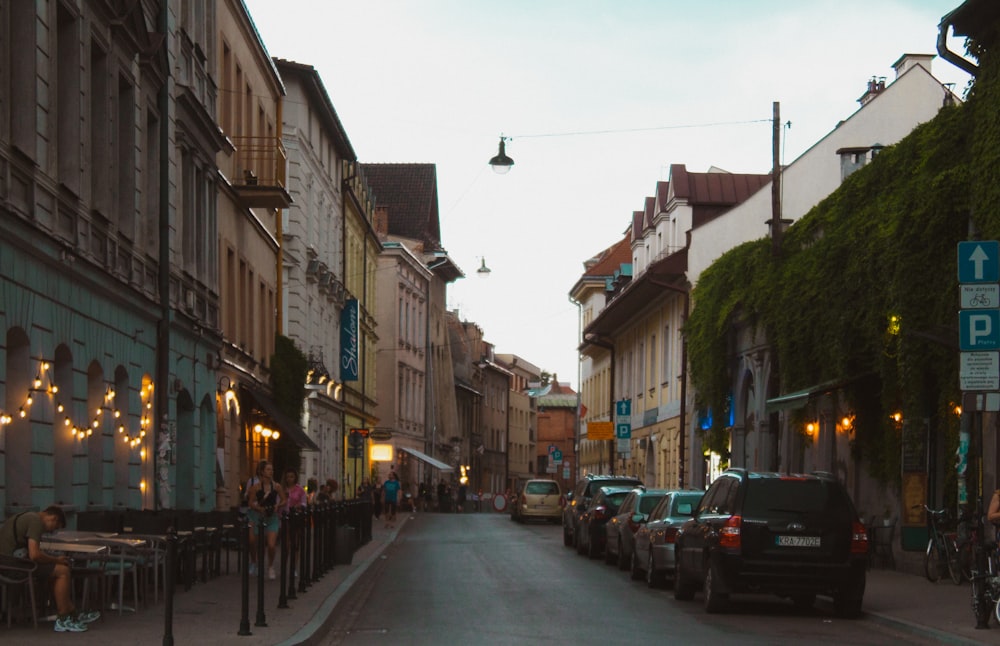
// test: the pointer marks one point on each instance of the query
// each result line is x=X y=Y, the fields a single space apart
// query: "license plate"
x=797 y=541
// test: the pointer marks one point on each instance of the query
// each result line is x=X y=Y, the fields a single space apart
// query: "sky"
x=598 y=99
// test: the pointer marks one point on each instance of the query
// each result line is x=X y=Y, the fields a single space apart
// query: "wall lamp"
x=501 y=163
x=484 y=271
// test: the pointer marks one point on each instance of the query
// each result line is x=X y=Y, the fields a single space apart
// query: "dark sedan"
x=590 y=537
x=621 y=529
x=654 y=539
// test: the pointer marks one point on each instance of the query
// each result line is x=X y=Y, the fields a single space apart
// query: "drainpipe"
x=161 y=493
x=601 y=343
x=682 y=445
x=579 y=388
x=948 y=55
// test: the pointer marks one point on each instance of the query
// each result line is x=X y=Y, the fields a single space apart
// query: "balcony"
x=258 y=172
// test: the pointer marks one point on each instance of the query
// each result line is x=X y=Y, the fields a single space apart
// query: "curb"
x=316 y=627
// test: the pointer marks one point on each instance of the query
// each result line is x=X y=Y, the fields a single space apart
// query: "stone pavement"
x=209 y=613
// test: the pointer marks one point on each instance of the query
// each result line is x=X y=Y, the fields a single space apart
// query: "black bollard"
x=244 y=529
x=295 y=539
x=168 y=598
x=307 y=526
x=261 y=619
x=283 y=568
x=318 y=527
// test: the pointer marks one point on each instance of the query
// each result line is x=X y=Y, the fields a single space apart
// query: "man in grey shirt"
x=21 y=537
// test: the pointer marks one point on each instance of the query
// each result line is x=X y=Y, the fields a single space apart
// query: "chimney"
x=909 y=61
x=876 y=85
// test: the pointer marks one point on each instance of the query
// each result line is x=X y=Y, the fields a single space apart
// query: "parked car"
x=578 y=500
x=653 y=556
x=795 y=535
x=590 y=535
x=538 y=499
x=621 y=529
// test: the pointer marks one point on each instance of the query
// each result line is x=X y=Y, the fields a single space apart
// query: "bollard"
x=244 y=529
x=261 y=538
x=283 y=568
x=307 y=525
x=168 y=599
x=317 y=560
x=295 y=534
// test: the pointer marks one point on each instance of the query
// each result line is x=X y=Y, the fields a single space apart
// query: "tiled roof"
x=611 y=259
x=714 y=188
x=409 y=192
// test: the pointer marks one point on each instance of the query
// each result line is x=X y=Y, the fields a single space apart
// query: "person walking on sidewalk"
x=390 y=494
x=266 y=497
x=21 y=537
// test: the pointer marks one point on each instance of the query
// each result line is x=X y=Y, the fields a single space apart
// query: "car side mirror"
x=569 y=496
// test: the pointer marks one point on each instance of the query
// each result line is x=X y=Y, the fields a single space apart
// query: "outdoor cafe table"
x=123 y=546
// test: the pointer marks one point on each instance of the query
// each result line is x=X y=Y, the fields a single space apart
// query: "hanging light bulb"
x=38 y=381
x=59 y=407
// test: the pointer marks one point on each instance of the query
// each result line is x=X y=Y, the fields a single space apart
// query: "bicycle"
x=941 y=550
x=985 y=578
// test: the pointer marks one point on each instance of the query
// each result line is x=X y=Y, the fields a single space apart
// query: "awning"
x=799 y=398
x=262 y=403
x=437 y=464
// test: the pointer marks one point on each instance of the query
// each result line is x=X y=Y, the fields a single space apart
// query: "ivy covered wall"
x=865 y=284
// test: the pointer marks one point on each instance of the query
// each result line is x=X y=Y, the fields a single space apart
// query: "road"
x=479 y=578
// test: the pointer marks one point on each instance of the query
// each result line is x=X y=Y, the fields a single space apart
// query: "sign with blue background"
x=979 y=261
x=979 y=329
x=349 y=341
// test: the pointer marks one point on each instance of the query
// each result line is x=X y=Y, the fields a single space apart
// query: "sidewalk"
x=209 y=613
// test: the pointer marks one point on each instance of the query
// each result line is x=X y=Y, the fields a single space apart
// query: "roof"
x=557 y=401
x=409 y=193
x=611 y=259
x=317 y=92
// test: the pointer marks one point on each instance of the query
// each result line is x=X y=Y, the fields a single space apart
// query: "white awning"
x=437 y=464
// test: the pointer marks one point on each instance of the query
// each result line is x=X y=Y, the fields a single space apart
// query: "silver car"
x=653 y=554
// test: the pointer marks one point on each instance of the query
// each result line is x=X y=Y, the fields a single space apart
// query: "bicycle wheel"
x=951 y=553
x=965 y=559
x=932 y=562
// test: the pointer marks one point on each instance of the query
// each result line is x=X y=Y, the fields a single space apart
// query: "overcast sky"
x=650 y=83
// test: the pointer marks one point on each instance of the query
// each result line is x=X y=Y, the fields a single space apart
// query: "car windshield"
x=646 y=503
x=767 y=497
x=542 y=488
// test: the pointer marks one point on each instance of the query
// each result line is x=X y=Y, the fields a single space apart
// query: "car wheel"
x=715 y=600
x=623 y=560
x=593 y=548
x=635 y=572
x=683 y=588
x=654 y=579
x=611 y=558
x=847 y=600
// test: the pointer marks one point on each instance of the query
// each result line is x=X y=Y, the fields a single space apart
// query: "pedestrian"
x=461 y=497
x=295 y=495
x=423 y=495
x=390 y=494
x=266 y=497
x=442 y=496
x=332 y=487
x=21 y=537
x=312 y=489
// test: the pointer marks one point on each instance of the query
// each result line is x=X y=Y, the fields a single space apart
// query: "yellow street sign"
x=600 y=431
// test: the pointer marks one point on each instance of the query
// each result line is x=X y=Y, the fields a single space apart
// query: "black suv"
x=579 y=499
x=793 y=535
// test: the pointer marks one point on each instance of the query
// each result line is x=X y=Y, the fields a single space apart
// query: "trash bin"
x=343 y=550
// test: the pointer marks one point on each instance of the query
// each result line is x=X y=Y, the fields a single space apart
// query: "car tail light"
x=524 y=499
x=669 y=535
x=729 y=533
x=599 y=512
x=859 y=539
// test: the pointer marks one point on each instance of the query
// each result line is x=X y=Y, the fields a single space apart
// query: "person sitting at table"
x=266 y=497
x=21 y=537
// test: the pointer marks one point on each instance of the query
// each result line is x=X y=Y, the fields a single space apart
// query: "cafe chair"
x=119 y=565
x=18 y=576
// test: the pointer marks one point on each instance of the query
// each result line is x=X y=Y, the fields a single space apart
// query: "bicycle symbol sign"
x=980 y=296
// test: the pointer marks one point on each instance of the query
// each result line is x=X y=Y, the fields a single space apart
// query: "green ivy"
x=882 y=246
x=288 y=376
